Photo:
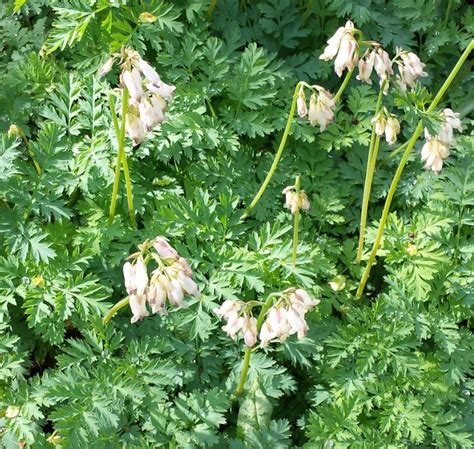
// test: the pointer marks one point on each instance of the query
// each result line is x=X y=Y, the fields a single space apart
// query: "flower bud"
x=107 y=67
x=412 y=250
x=14 y=130
x=249 y=328
x=141 y=276
x=365 y=68
x=12 y=411
x=234 y=324
x=347 y=56
x=321 y=109
x=380 y=122
x=266 y=334
x=301 y=103
x=392 y=129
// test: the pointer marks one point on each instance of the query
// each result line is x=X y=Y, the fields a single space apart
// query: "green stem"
x=374 y=140
x=248 y=351
x=401 y=166
x=277 y=155
x=30 y=150
x=296 y=223
x=395 y=152
x=121 y=159
x=448 y=12
x=243 y=373
x=115 y=187
x=120 y=305
x=343 y=85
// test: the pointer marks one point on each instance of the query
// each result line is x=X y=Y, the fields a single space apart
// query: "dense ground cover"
x=392 y=369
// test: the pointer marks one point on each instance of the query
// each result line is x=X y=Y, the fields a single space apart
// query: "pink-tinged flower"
x=302 y=299
x=321 y=109
x=392 y=128
x=347 y=56
x=266 y=334
x=227 y=308
x=366 y=66
x=334 y=44
x=132 y=81
x=185 y=266
x=233 y=326
x=249 y=329
x=164 y=249
x=156 y=297
x=149 y=72
x=107 y=67
x=138 y=306
x=175 y=294
x=134 y=127
x=163 y=90
x=296 y=321
x=410 y=69
x=188 y=285
x=383 y=67
x=301 y=103
x=434 y=151
x=278 y=322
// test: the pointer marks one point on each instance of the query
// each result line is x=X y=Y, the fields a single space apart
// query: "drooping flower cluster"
x=436 y=148
x=170 y=281
x=387 y=124
x=295 y=200
x=148 y=93
x=410 y=69
x=286 y=317
x=343 y=46
x=321 y=106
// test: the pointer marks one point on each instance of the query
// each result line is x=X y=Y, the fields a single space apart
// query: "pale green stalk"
x=121 y=159
x=296 y=223
x=401 y=166
x=120 y=305
x=248 y=351
x=374 y=141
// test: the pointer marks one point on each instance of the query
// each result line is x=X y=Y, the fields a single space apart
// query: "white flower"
x=233 y=326
x=451 y=121
x=347 y=56
x=133 y=82
x=392 y=128
x=163 y=90
x=296 y=200
x=303 y=300
x=188 y=285
x=149 y=115
x=156 y=297
x=344 y=45
x=410 y=69
x=138 y=306
x=149 y=72
x=141 y=276
x=297 y=323
x=321 y=109
x=107 y=67
x=185 y=266
x=434 y=151
x=380 y=122
x=164 y=249
x=366 y=67
x=134 y=127
x=249 y=329
x=383 y=67
x=176 y=294
x=278 y=322
x=227 y=307
x=301 y=103
x=129 y=277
